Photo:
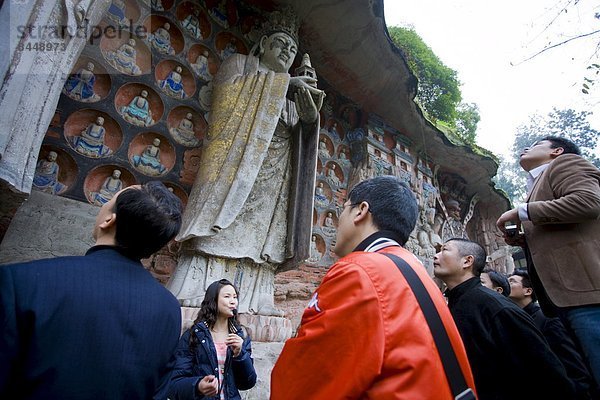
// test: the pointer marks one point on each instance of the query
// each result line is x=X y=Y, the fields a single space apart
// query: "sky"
x=487 y=42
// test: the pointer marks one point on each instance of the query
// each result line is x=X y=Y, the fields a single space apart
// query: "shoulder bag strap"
x=454 y=374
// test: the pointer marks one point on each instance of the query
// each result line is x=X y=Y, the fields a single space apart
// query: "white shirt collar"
x=534 y=173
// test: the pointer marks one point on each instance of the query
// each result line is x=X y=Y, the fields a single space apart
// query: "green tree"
x=467 y=118
x=568 y=123
x=439 y=91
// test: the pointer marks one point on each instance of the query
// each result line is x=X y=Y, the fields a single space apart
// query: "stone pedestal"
x=260 y=328
x=265 y=355
x=48 y=226
x=188 y=315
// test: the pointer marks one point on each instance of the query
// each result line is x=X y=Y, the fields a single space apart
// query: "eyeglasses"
x=355 y=204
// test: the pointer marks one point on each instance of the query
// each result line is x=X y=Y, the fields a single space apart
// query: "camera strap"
x=458 y=384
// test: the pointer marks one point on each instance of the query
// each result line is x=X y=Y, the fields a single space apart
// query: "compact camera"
x=511 y=229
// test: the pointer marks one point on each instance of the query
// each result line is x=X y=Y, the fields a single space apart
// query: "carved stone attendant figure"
x=191 y=25
x=243 y=186
x=320 y=199
x=116 y=13
x=138 y=111
x=315 y=254
x=219 y=13
x=229 y=49
x=329 y=228
x=253 y=35
x=173 y=84
x=80 y=86
x=46 y=175
x=201 y=66
x=184 y=133
x=323 y=151
x=124 y=59
x=334 y=131
x=111 y=185
x=451 y=225
x=161 y=40
x=205 y=96
x=332 y=177
x=91 y=141
x=149 y=161
x=157 y=5
x=344 y=158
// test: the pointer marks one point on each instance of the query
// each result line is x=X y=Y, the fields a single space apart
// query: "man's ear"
x=557 y=152
x=469 y=260
x=528 y=291
x=109 y=222
x=361 y=212
x=499 y=290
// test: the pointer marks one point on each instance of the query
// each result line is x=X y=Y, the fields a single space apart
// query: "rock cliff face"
x=293 y=290
x=265 y=355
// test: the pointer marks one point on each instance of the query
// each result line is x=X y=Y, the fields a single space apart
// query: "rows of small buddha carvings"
x=351 y=150
x=136 y=104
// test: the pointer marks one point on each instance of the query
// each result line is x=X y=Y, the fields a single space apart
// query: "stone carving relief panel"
x=146 y=86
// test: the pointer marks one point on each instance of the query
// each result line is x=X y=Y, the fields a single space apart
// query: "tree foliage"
x=467 y=119
x=439 y=91
x=568 y=123
x=581 y=18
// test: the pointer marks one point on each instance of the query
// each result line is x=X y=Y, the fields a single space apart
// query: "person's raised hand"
x=235 y=342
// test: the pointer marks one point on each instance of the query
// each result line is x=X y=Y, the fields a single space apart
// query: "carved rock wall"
x=147 y=97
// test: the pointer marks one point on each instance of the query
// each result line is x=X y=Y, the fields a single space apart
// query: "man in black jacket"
x=499 y=337
x=554 y=331
x=97 y=326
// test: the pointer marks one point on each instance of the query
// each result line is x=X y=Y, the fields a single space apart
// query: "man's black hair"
x=391 y=203
x=498 y=280
x=568 y=146
x=525 y=281
x=147 y=219
x=469 y=248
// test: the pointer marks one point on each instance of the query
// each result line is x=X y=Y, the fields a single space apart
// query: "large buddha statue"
x=80 y=86
x=161 y=40
x=46 y=175
x=201 y=67
x=244 y=221
x=124 y=58
x=173 y=84
x=111 y=185
x=91 y=140
x=184 y=132
x=149 y=161
x=138 y=111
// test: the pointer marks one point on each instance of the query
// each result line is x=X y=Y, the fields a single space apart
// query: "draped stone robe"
x=253 y=195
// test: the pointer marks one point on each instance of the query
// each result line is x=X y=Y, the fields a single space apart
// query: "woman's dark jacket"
x=191 y=365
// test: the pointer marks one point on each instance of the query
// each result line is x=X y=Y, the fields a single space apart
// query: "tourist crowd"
x=377 y=327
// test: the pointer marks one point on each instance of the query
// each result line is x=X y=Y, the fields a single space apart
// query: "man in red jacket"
x=363 y=334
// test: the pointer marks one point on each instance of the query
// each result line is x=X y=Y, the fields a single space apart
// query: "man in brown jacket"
x=561 y=223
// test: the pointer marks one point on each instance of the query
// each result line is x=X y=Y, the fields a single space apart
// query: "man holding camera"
x=561 y=224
